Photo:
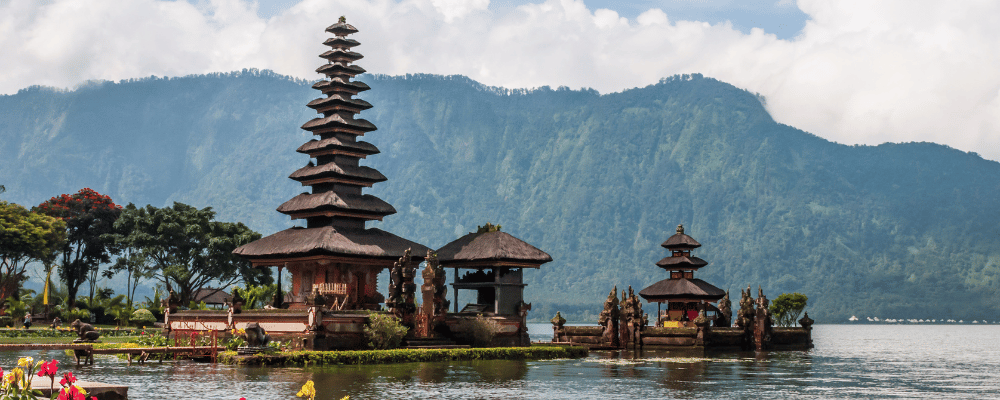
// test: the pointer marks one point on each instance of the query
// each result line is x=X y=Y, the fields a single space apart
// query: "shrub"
x=484 y=330
x=384 y=332
x=142 y=317
x=81 y=314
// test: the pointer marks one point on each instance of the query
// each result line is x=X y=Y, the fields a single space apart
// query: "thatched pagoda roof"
x=361 y=173
x=341 y=43
x=681 y=263
x=337 y=83
x=339 y=68
x=341 y=100
x=668 y=289
x=360 y=147
x=680 y=241
x=341 y=54
x=342 y=28
x=329 y=241
x=337 y=121
x=482 y=249
x=364 y=204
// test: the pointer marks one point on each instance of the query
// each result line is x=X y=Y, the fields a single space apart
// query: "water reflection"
x=848 y=362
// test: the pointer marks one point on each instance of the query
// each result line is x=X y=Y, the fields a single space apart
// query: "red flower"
x=49 y=369
x=67 y=379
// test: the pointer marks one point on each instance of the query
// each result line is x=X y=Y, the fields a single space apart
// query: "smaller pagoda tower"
x=684 y=294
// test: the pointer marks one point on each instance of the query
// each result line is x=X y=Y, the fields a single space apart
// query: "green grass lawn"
x=61 y=340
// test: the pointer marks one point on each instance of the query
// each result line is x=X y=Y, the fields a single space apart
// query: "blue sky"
x=851 y=71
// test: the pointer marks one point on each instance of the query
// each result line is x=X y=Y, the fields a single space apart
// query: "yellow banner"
x=48 y=277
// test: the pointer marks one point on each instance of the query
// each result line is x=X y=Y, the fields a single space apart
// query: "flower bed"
x=403 y=355
x=69 y=332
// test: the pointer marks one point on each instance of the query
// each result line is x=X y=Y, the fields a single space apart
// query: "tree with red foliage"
x=90 y=217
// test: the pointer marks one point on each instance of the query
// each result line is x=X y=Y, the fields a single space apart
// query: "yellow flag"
x=48 y=277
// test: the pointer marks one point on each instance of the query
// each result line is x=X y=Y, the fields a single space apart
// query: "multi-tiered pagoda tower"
x=335 y=254
x=684 y=294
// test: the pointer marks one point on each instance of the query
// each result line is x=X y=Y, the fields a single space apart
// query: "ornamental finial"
x=680 y=229
x=343 y=19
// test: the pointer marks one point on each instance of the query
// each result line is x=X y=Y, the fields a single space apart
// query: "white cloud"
x=859 y=72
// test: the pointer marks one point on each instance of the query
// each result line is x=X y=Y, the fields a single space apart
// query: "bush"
x=305 y=357
x=384 y=332
x=142 y=317
x=81 y=314
x=484 y=330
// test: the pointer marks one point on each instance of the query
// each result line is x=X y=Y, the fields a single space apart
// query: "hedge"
x=355 y=357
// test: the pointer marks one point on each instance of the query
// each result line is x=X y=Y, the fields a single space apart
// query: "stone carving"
x=609 y=319
x=402 y=289
x=237 y=303
x=725 y=317
x=701 y=322
x=435 y=289
x=84 y=331
x=558 y=328
x=762 y=322
x=745 y=318
x=256 y=335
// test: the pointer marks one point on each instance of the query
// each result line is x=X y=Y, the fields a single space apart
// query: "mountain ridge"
x=596 y=180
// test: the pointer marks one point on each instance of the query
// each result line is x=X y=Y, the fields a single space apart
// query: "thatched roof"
x=341 y=55
x=338 y=99
x=494 y=246
x=680 y=241
x=339 y=68
x=681 y=263
x=335 y=120
x=681 y=289
x=211 y=296
x=327 y=240
x=341 y=43
x=335 y=143
x=363 y=204
x=338 y=83
x=361 y=173
x=342 y=28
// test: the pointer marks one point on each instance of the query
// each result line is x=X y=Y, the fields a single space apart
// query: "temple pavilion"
x=684 y=294
x=335 y=253
x=493 y=261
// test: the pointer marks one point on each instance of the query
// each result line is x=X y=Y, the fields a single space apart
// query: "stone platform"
x=102 y=391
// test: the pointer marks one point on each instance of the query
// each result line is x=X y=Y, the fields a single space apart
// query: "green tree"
x=24 y=237
x=787 y=307
x=187 y=248
x=133 y=261
x=89 y=217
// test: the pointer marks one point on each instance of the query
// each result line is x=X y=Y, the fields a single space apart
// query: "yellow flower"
x=25 y=362
x=308 y=391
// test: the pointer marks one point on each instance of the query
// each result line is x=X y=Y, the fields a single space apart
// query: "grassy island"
x=403 y=355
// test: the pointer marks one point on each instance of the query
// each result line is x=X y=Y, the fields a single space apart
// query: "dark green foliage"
x=403 y=356
x=24 y=237
x=786 y=308
x=597 y=181
x=188 y=248
x=384 y=332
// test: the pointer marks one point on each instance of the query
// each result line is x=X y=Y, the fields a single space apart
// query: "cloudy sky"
x=863 y=72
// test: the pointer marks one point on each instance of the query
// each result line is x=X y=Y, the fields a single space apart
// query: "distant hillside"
x=597 y=181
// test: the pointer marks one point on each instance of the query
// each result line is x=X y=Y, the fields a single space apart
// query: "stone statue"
x=237 y=302
x=402 y=290
x=558 y=328
x=85 y=331
x=762 y=322
x=256 y=336
x=725 y=316
x=609 y=319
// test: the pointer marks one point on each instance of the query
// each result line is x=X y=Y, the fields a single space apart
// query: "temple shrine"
x=684 y=294
x=335 y=253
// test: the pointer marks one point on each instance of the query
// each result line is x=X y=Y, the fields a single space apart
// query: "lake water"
x=849 y=361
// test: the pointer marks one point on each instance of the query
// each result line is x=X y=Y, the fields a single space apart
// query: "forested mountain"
x=597 y=181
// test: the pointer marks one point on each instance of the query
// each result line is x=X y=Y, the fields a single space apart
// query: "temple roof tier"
x=478 y=250
x=342 y=28
x=341 y=43
x=335 y=145
x=339 y=101
x=675 y=289
x=337 y=84
x=329 y=241
x=680 y=241
x=681 y=263
x=341 y=55
x=340 y=69
x=351 y=173
x=346 y=204
x=337 y=121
